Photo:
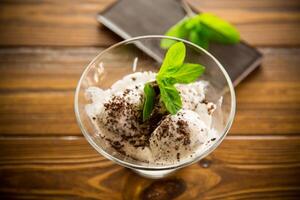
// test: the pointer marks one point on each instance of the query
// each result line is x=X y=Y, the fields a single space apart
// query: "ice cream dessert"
x=160 y=118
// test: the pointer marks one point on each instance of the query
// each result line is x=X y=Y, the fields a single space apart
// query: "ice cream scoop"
x=178 y=136
x=164 y=138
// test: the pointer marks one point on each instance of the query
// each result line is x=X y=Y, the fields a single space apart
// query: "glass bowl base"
x=154 y=174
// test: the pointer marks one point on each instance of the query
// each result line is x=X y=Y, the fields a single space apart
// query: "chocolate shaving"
x=178 y=156
x=135 y=131
x=205 y=101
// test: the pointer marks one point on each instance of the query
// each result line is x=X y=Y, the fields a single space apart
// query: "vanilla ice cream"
x=116 y=114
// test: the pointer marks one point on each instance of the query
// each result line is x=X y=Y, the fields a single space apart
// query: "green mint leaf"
x=170 y=97
x=174 y=58
x=178 y=30
x=149 y=98
x=187 y=73
x=219 y=30
x=172 y=71
x=199 y=39
x=193 y=23
x=202 y=29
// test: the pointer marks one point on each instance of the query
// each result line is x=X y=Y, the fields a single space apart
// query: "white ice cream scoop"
x=178 y=137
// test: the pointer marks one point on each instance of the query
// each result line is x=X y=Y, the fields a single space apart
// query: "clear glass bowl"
x=124 y=58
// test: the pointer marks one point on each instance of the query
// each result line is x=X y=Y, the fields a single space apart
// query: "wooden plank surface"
x=45 y=45
x=72 y=23
x=241 y=168
x=53 y=22
x=38 y=90
x=60 y=68
x=259 y=21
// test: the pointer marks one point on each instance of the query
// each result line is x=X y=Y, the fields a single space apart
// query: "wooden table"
x=46 y=44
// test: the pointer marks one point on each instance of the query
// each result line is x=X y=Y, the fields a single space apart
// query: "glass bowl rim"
x=121 y=162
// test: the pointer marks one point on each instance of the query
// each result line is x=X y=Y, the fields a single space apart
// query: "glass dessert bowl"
x=110 y=92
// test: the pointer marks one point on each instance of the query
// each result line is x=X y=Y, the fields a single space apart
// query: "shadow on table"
x=187 y=183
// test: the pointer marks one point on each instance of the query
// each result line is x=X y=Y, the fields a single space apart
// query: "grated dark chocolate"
x=135 y=131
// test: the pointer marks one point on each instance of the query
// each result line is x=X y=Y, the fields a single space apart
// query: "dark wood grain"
x=45 y=45
x=56 y=23
x=73 y=23
x=68 y=168
x=273 y=21
x=60 y=68
x=38 y=91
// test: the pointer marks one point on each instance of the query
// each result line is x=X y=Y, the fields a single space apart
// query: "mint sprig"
x=173 y=70
x=201 y=30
